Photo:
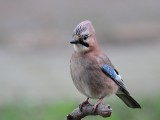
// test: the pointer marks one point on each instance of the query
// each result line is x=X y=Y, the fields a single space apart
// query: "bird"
x=92 y=72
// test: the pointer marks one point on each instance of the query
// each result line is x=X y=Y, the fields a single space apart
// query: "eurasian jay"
x=92 y=72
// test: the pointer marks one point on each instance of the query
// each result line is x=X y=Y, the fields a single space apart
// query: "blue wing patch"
x=113 y=74
x=109 y=71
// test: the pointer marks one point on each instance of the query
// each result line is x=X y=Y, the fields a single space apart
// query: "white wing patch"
x=118 y=77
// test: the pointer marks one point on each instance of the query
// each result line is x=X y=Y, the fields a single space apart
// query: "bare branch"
x=102 y=110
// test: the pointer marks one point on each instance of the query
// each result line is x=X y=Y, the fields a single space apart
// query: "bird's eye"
x=85 y=37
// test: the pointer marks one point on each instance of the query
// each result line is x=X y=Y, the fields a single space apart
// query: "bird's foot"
x=83 y=103
x=96 y=104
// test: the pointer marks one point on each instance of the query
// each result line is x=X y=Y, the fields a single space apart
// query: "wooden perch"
x=102 y=110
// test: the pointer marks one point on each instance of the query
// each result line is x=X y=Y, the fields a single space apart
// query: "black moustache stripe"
x=84 y=43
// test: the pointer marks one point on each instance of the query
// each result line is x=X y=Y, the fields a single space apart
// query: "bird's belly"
x=93 y=83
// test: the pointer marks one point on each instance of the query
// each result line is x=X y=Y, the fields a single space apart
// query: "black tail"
x=129 y=101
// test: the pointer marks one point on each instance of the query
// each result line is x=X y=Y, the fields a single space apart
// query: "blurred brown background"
x=35 y=50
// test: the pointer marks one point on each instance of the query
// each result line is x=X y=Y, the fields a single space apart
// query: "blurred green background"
x=35 y=82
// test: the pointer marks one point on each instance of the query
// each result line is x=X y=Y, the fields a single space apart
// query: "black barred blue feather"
x=112 y=73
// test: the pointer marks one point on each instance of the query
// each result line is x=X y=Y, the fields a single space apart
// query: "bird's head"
x=84 y=39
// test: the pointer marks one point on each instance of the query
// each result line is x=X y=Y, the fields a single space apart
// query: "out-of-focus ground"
x=35 y=50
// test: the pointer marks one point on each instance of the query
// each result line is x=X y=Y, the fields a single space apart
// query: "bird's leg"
x=83 y=103
x=96 y=104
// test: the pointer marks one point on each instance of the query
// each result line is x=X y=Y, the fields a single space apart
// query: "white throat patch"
x=80 y=48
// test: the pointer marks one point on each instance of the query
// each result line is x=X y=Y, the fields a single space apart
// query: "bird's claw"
x=96 y=105
x=83 y=103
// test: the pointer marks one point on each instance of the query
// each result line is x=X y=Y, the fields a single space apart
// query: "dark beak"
x=74 y=41
x=79 y=42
